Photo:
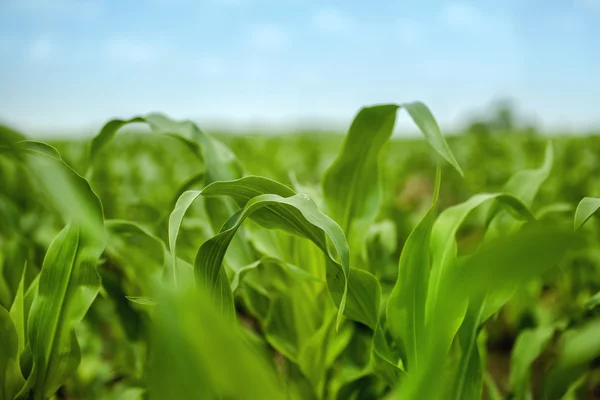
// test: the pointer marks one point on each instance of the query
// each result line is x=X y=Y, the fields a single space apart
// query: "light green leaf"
x=499 y=264
x=298 y=215
x=593 y=302
x=443 y=237
x=524 y=185
x=188 y=335
x=141 y=254
x=585 y=209
x=11 y=379
x=144 y=301
x=351 y=184
x=19 y=313
x=68 y=282
x=576 y=349
x=298 y=212
x=529 y=345
x=406 y=305
x=67 y=287
x=294 y=271
x=312 y=358
x=422 y=117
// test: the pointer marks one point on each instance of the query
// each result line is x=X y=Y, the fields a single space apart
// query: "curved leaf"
x=351 y=185
x=422 y=117
x=585 y=209
x=298 y=212
x=443 y=237
x=68 y=281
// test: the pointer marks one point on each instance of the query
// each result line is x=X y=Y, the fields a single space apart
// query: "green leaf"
x=422 y=117
x=297 y=212
x=144 y=301
x=11 y=380
x=68 y=282
x=67 y=287
x=66 y=191
x=593 y=302
x=312 y=357
x=585 y=209
x=295 y=272
x=19 y=313
x=514 y=260
x=500 y=264
x=141 y=255
x=524 y=185
x=188 y=335
x=576 y=349
x=443 y=237
x=406 y=305
x=300 y=216
x=351 y=184
x=529 y=345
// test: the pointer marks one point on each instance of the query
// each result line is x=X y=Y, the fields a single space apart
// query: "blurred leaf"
x=143 y=301
x=188 y=335
x=141 y=254
x=19 y=314
x=443 y=238
x=586 y=208
x=593 y=302
x=11 y=380
x=524 y=185
x=68 y=281
x=576 y=349
x=529 y=345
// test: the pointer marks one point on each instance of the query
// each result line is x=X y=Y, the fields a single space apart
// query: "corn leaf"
x=298 y=212
x=585 y=209
x=68 y=282
x=351 y=185
x=407 y=302
x=576 y=349
x=11 y=379
x=529 y=345
x=188 y=335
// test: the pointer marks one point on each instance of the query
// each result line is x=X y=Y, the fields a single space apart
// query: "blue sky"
x=72 y=64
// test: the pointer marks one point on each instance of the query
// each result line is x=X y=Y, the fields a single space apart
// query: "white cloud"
x=463 y=16
x=267 y=37
x=333 y=21
x=133 y=52
x=40 y=49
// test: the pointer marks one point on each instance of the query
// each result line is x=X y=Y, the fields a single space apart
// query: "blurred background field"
x=278 y=83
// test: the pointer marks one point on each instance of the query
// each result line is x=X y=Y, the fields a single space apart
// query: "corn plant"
x=247 y=288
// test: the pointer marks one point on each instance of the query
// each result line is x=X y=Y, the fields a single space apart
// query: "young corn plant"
x=280 y=297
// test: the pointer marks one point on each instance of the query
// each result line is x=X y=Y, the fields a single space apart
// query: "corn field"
x=170 y=263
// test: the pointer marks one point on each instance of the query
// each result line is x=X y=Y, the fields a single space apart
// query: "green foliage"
x=172 y=264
